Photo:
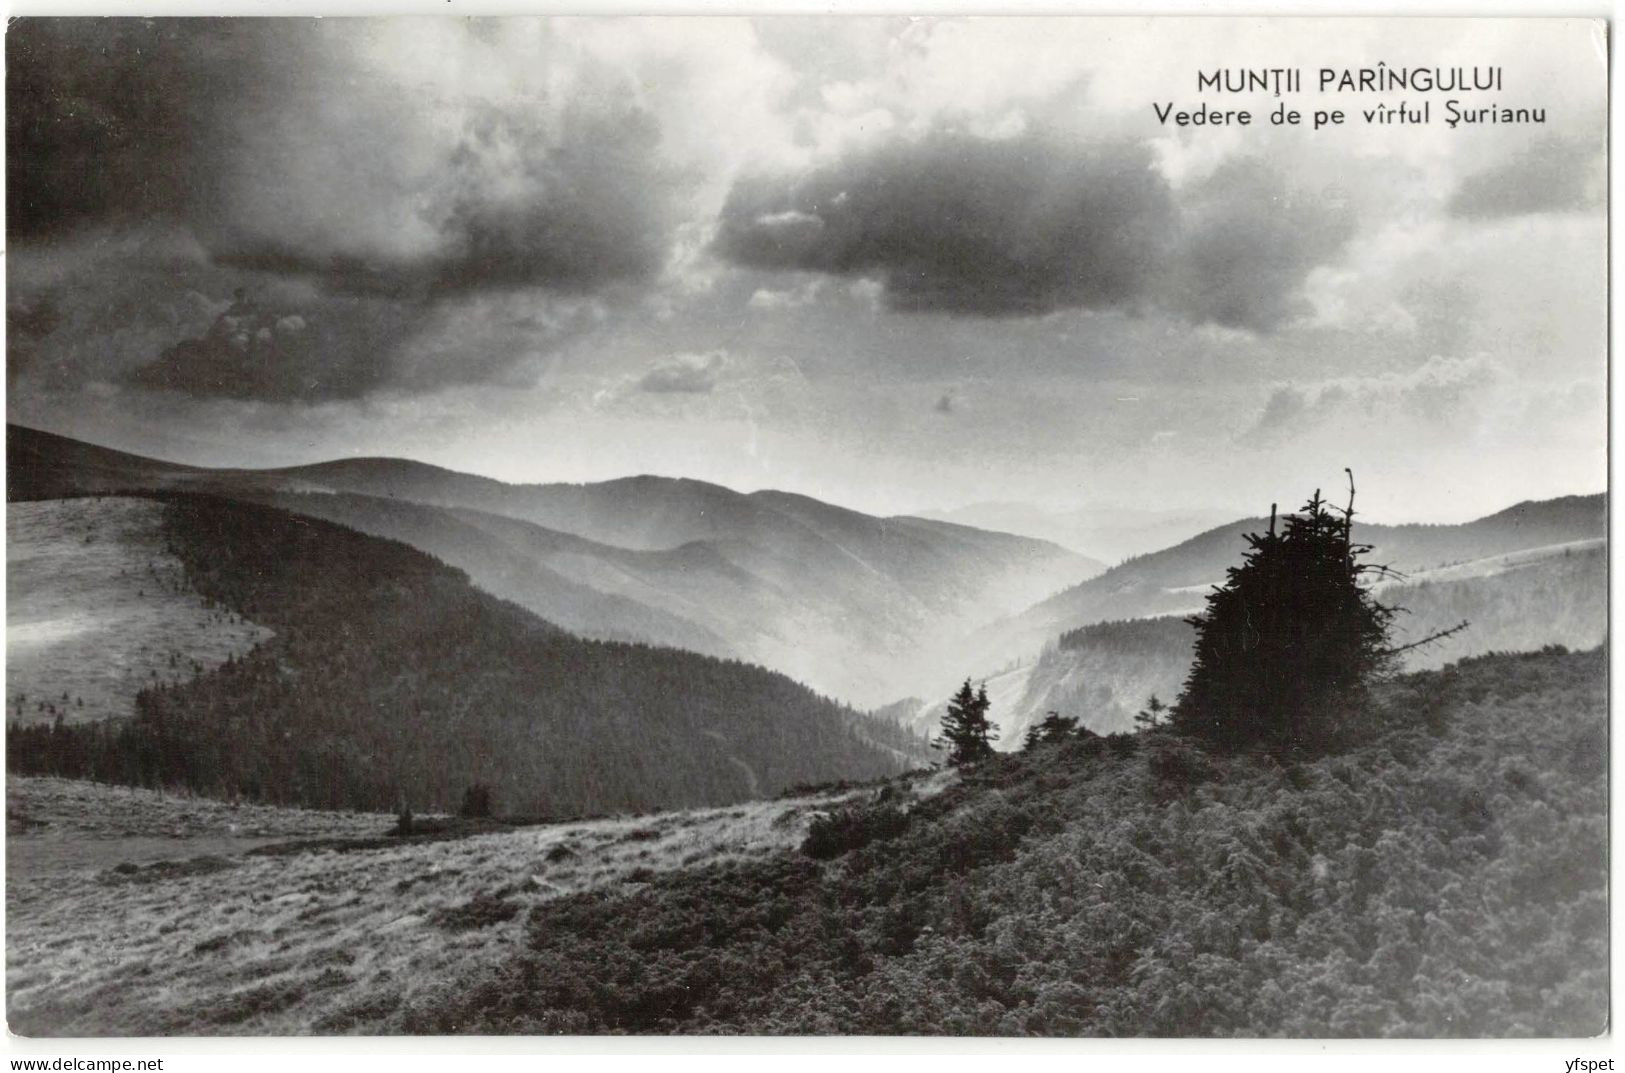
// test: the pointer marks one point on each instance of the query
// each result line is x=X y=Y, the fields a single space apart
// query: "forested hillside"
x=43 y=465
x=390 y=680
x=1107 y=672
x=1447 y=877
x=508 y=558
x=1559 y=597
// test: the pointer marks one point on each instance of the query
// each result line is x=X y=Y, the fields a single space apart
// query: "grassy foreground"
x=134 y=913
x=1446 y=878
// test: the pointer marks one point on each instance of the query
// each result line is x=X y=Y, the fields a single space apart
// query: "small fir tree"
x=1153 y=715
x=1054 y=727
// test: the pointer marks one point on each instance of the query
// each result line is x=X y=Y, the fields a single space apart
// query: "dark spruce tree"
x=477 y=803
x=967 y=733
x=1288 y=646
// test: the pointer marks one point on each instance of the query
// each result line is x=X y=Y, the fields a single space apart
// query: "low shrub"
x=480 y=911
x=642 y=834
x=833 y=833
x=1177 y=766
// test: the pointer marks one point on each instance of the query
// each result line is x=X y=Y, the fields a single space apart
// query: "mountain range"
x=858 y=607
x=869 y=609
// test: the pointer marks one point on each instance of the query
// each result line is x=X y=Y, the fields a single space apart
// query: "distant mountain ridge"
x=1176 y=579
x=856 y=606
x=44 y=465
x=1107 y=532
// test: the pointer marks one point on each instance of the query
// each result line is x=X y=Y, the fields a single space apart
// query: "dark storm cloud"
x=150 y=309
x=89 y=311
x=250 y=352
x=340 y=346
x=1029 y=225
x=102 y=116
x=1550 y=176
x=230 y=127
x=578 y=210
x=33 y=320
x=386 y=209
x=966 y=225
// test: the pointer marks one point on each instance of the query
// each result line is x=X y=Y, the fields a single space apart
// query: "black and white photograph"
x=807 y=526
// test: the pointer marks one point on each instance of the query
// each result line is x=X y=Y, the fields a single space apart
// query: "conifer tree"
x=1153 y=715
x=477 y=803
x=1287 y=647
x=967 y=733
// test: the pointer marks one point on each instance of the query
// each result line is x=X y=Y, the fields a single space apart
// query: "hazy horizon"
x=1232 y=512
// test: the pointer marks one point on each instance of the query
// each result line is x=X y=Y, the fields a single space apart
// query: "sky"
x=897 y=264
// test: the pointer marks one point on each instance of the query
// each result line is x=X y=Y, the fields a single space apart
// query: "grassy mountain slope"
x=1448 y=878
x=98 y=609
x=859 y=607
x=390 y=678
x=1556 y=595
x=258 y=920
